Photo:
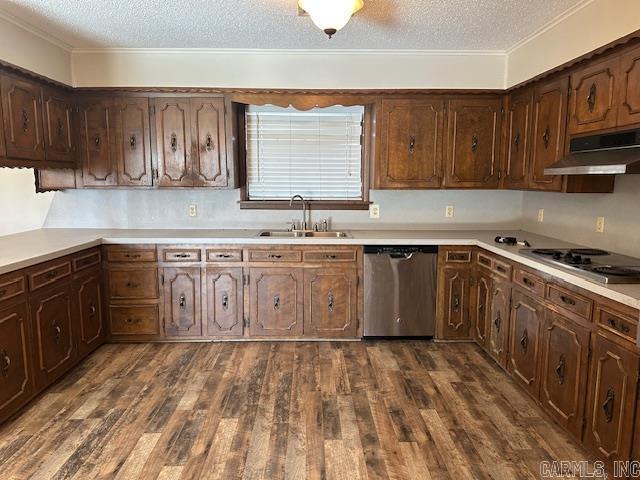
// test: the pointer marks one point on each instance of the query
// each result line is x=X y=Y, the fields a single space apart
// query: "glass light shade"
x=330 y=15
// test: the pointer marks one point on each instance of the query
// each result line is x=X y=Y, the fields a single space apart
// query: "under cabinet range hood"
x=605 y=154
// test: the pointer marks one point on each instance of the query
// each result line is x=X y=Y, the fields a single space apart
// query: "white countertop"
x=30 y=248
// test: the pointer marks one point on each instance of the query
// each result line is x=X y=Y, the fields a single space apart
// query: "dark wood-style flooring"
x=402 y=410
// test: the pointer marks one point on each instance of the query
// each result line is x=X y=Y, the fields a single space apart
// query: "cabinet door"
x=276 y=301
x=52 y=316
x=173 y=142
x=612 y=396
x=98 y=155
x=224 y=314
x=210 y=142
x=473 y=143
x=16 y=381
x=499 y=321
x=3 y=131
x=594 y=97
x=482 y=309
x=563 y=375
x=331 y=298
x=58 y=124
x=454 y=300
x=527 y=316
x=517 y=148
x=629 y=88
x=411 y=136
x=182 y=298
x=133 y=141
x=22 y=110
x=548 y=134
x=88 y=300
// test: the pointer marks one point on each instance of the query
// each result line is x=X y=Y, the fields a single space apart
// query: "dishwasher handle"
x=404 y=256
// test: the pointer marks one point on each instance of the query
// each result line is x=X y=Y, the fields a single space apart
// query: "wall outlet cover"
x=600 y=225
x=541 y=215
x=193 y=210
x=374 y=211
x=449 y=212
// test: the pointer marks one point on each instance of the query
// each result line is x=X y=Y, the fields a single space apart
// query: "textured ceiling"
x=274 y=24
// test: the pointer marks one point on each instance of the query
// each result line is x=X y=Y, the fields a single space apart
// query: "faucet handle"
x=325 y=225
x=292 y=226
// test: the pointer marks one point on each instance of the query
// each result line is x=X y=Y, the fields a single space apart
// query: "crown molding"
x=46 y=36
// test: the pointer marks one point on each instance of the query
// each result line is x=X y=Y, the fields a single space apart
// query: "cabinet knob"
x=97 y=140
x=225 y=301
x=456 y=303
x=132 y=142
x=6 y=363
x=57 y=333
x=92 y=310
x=182 y=301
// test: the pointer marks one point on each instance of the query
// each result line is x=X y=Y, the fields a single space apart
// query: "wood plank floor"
x=399 y=410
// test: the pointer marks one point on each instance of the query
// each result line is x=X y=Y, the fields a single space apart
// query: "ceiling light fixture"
x=330 y=15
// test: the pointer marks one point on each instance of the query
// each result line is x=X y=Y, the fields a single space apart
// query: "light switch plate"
x=193 y=210
x=449 y=212
x=541 y=215
x=600 y=225
x=374 y=211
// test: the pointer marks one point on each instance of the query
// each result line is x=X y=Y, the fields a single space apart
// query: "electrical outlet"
x=600 y=225
x=193 y=210
x=449 y=211
x=374 y=211
x=541 y=215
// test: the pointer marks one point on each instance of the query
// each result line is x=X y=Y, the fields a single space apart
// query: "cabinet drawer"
x=330 y=256
x=49 y=273
x=133 y=284
x=11 y=286
x=569 y=301
x=181 y=254
x=528 y=281
x=484 y=260
x=86 y=260
x=134 y=320
x=214 y=255
x=502 y=269
x=120 y=254
x=457 y=256
x=624 y=325
x=275 y=256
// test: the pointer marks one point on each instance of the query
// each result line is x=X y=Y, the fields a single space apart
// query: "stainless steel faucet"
x=303 y=225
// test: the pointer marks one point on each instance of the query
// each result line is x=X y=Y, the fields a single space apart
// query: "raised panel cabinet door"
x=473 y=143
x=22 y=111
x=210 y=142
x=88 y=300
x=612 y=396
x=517 y=141
x=563 y=371
x=58 y=122
x=455 y=295
x=16 y=381
x=482 y=309
x=331 y=298
x=527 y=316
x=173 y=142
x=3 y=146
x=276 y=302
x=548 y=134
x=593 y=102
x=52 y=316
x=133 y=141
x=224 y=314
x=629 y=88
x=182 y=302
x=411 y=137
x=97 y=155
x=498 y=338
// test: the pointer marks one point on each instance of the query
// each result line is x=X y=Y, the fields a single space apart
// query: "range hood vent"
x=607 y=154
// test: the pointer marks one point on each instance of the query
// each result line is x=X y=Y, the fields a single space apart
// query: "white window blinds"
x=315 y=153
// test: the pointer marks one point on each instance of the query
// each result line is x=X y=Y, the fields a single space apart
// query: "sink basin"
x=302 y=234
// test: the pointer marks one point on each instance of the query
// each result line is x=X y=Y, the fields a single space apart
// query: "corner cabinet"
x=411 y=133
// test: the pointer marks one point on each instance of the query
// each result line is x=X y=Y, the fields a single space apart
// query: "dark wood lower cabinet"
x=224 y=307
x=527 y=316
x=16 y=380
x=613 y=386
x=498 y=334
x=88 y=301
x=182 y=302
x=482 y=308
x=454 y=302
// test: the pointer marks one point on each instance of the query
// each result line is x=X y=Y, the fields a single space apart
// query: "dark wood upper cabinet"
x=629 y=88
x=517 y=140
x=3 y=146
x=548 y=133
x=133 y=141
x=472 y=157
x=60 y=139
x=97 y=138
x=22 y=111
x=173 y=142
x=182 y=302
x=593 y=102
x=411 y=133
x=210 y=143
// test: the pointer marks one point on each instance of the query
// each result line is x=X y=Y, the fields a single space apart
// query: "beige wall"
x=20 y=207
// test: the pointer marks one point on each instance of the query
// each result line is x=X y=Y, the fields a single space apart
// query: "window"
x=315 y=153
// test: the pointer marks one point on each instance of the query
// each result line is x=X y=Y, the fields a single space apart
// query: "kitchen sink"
x=302 y=234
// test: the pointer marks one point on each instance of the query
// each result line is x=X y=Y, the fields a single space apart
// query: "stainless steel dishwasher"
x=400 y=291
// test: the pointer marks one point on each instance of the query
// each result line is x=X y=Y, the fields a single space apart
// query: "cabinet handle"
x=516 y=141
x=546 y=137
x=412 y=144
x=591 y=98
x=474 y=143
x=528 y=283
x=6 y=363
x=273 y=255
x=174 y=142
x=481 y=307
x=92 y=311
x=330 y=302
x=223 y=255
x=25 y=119
x=560 y=369
x=57 y=333
x=608 y=404
x=624 y=328
x=132 y=255
x=208 y=144
x=276 y=302
x=182 y=301
x=225 y=301
x=524 y=341
x=60 y=128
x=183 y=255
x=456 y=303
x=132 y=142
x=132 y=285
x=330 y=257
x=498 y=321
x=97 y=140
x=133 y=320
x=567 y=300
x=51 y=275
x=501 y=269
